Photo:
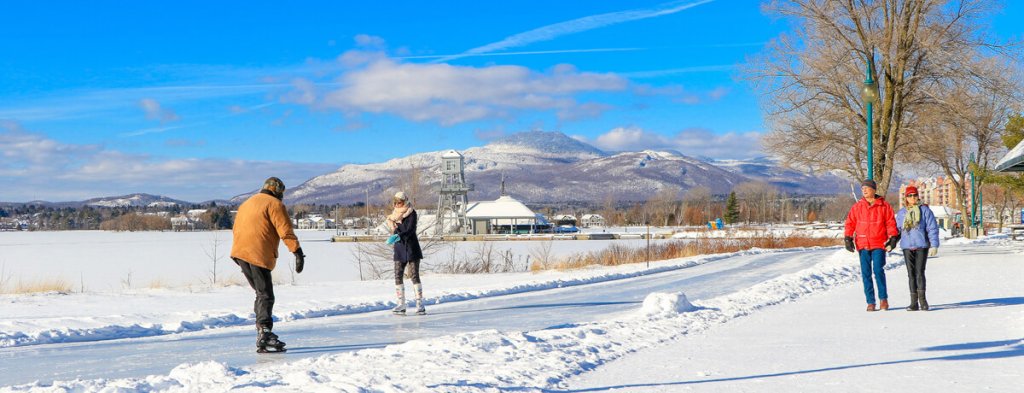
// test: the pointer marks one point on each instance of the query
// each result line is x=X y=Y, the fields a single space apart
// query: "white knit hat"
x=401 y=196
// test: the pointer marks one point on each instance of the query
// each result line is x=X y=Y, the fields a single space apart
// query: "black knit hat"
x=869 y=183
x=275 y=186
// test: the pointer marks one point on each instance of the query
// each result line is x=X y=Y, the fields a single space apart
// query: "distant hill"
x=130 y=200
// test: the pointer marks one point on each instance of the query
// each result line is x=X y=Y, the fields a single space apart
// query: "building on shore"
x=563 y=219
x=506 y=215
x=592 y=220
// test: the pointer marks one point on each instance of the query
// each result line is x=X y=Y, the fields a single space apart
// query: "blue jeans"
x=873 y=260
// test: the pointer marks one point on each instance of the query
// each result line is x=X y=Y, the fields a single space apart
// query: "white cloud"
x=630 y=139
x=454 y=94
x=366 y=40
x=553 y=31
x=155 y=112
x=43 y=168
x=718 y=93
x=692 y=142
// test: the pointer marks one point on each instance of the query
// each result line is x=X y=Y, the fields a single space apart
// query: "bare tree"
x=215 y=253
x=698 y=201
x=663 y=206
x=967 y=122
x=810 y=80
x=757 y=201
x=608 y=211
x=542 y=254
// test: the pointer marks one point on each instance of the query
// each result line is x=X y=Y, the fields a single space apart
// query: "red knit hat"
x=910 y=190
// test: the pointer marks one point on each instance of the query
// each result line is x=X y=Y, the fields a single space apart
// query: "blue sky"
x=203 y=100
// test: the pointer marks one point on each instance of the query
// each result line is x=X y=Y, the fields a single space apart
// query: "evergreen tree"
x=732 y=213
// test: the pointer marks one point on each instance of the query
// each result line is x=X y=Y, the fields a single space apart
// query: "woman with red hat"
x=919 y=231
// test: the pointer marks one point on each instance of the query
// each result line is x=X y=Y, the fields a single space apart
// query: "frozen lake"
x=116 y=261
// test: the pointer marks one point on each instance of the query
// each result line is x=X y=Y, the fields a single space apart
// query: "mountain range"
x=553 y=167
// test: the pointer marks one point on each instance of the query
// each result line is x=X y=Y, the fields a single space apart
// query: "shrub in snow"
x=666 y=304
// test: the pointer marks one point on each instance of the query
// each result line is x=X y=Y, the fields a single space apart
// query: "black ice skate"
x=267 y=342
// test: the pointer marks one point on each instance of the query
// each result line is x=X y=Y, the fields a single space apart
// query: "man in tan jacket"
x=262 y=221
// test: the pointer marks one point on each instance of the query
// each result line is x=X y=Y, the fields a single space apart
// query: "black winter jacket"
x=408 y=247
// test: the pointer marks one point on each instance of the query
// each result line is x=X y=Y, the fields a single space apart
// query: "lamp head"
x=870 y=92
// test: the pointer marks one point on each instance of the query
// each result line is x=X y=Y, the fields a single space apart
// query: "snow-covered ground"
x=972 y=340
x=759 y=320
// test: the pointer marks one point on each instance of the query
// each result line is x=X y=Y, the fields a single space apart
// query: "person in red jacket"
x=871 y=230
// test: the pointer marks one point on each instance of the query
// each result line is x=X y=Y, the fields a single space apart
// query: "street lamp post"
x=870 y=95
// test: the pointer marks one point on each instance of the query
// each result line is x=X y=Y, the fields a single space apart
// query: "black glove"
x=849 y=243
x=300 y=260
x=891 y=243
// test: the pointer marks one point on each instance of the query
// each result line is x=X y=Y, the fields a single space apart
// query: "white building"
x=504 y=215
x=183 y=223
x=945 y=216
x=592 y=220
x=314 y=221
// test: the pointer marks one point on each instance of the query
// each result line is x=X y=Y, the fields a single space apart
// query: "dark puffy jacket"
x=924 y=235
x=871 y=225
x=408 y=246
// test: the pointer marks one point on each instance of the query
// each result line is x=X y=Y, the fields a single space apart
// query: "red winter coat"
x=871 y=225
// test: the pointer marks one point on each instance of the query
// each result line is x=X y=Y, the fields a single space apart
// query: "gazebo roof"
x=503 y=207
x=1013 y=161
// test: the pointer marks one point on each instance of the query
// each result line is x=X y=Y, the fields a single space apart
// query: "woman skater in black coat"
x=407 y=253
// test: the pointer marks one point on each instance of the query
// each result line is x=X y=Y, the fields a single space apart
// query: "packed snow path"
x=317 y=336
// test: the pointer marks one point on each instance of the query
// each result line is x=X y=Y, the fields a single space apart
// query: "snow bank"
x=666 y=304
x=527 y=361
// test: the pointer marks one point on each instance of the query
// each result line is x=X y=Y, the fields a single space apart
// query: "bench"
x=1017 y=232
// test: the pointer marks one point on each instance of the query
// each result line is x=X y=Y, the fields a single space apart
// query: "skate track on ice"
x=317 y=336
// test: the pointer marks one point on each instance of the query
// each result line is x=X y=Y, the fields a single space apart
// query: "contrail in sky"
x=536 y=52
x=550 y=32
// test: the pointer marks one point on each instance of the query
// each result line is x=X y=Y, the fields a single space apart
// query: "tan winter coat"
x=261 y=223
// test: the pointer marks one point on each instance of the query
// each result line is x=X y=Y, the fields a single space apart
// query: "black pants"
x=260 y=280
x=414 y=271
x=915 y=260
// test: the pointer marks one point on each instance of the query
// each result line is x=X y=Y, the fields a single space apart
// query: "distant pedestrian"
x=871 y=230
x=407 y=253
x=261 y=223
x=919 y=232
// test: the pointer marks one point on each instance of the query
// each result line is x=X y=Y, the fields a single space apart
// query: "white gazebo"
x=504 y=215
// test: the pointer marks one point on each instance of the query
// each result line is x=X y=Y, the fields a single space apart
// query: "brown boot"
x=871 y=307
x=884 y=306
x=922 y=300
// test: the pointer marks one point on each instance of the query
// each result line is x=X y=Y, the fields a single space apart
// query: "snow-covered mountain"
x=552 y=167
x=130 y=200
